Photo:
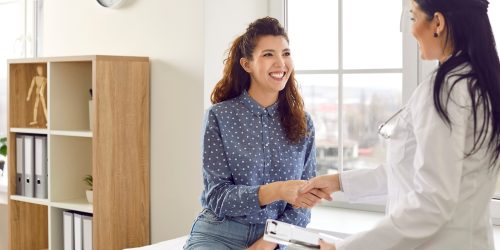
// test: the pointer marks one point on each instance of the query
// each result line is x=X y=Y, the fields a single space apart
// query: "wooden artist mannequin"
x=40 y=82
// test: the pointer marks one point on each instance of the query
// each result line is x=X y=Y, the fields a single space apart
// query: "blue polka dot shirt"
x=245 y=146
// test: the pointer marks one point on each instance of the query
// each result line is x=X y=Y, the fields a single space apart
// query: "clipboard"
x=287 y=234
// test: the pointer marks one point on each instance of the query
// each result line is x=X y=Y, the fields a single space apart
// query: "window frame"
x=30 y=39
x=414 y=70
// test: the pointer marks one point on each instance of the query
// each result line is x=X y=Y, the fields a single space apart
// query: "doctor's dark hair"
x=235 y=79
x=469 y=32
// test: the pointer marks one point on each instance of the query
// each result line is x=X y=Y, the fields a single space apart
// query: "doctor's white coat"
x=437 y=198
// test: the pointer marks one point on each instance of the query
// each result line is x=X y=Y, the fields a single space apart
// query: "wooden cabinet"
x=114 y=149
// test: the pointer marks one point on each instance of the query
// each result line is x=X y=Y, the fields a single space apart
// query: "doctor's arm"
x=360 y=185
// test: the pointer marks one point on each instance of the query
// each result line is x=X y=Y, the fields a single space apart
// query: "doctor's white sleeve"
x=364 y=185
x=438 y=166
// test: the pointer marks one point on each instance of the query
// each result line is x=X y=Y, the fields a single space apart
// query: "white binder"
x=286 y=234
x=78 y=230
x=29 y=166
x=41 y=167
x=87 y=232
x=19 y=164
x=68 y=231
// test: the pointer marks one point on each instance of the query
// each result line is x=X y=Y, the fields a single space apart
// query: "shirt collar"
x=255 y=107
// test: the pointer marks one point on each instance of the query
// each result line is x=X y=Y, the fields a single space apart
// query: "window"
x=355 y=68
x=21 y=36
x=349 y=65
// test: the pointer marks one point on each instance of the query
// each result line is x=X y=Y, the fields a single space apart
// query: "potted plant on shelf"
x=90 y=181
x=3 y=152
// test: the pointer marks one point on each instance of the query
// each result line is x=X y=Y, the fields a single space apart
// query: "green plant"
x=89 y=180
x=3 y=146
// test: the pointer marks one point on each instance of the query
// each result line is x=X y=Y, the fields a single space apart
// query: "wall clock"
x=110 y=3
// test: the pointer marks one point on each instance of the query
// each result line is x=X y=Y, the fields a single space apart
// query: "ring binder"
x=29 y=166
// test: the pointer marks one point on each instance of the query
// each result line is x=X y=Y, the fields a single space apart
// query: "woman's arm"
x=222 y=196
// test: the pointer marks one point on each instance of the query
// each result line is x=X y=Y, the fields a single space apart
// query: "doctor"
x=443 y=146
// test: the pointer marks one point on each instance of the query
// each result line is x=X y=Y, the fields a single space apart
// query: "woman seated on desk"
x=258 y=145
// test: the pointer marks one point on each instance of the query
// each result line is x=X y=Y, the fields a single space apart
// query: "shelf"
x=71 y=83
x=80 y=205
x=82 y=133
x=21 y=77
x=83 y=137
x=38 y=131
x=32 y=200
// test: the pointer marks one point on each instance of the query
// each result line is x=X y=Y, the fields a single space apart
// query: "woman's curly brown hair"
x=235 y=79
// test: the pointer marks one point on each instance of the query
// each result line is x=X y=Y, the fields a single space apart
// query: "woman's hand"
x=326 y=246
x=261 y=244
x=311 y=198
x=289 y=191
x=280 y=190
x=326 y=183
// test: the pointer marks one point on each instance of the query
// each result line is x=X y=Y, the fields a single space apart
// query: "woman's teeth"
x=278 y=75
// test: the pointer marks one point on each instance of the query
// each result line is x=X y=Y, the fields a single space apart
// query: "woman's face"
x=423 y=29
x=270 y=66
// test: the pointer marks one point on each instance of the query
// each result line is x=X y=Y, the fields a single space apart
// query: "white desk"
x=331 y=219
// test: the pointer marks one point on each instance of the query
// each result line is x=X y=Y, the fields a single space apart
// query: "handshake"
x=306 y=194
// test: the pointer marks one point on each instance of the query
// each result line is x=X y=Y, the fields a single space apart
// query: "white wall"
x=186 y=41
x=224 y=21
x=170 y=32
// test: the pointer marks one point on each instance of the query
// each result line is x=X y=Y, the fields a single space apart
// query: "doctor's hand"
x=326 y=246
x=326 y=183
x=311 y=198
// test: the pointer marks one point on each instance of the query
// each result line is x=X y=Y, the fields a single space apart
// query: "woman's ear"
x=440 y=23
x=245 y=64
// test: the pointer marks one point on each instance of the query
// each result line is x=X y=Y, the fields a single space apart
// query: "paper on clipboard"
x=286 y=234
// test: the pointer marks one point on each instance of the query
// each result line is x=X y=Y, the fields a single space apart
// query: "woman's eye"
x=268 y=54
x=412 y=19
x=286 y=54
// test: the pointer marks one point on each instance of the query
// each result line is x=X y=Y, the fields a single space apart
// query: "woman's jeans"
x=210 y=232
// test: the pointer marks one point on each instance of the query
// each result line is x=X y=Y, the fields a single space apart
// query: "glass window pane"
x=368 y=100
x=11 y=46
x=372 y=38
x=313 y=33
x=320 y=93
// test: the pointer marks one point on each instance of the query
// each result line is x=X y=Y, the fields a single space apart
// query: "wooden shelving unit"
x=114 y=149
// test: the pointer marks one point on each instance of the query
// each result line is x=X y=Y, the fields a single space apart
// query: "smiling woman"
x=258 y=145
